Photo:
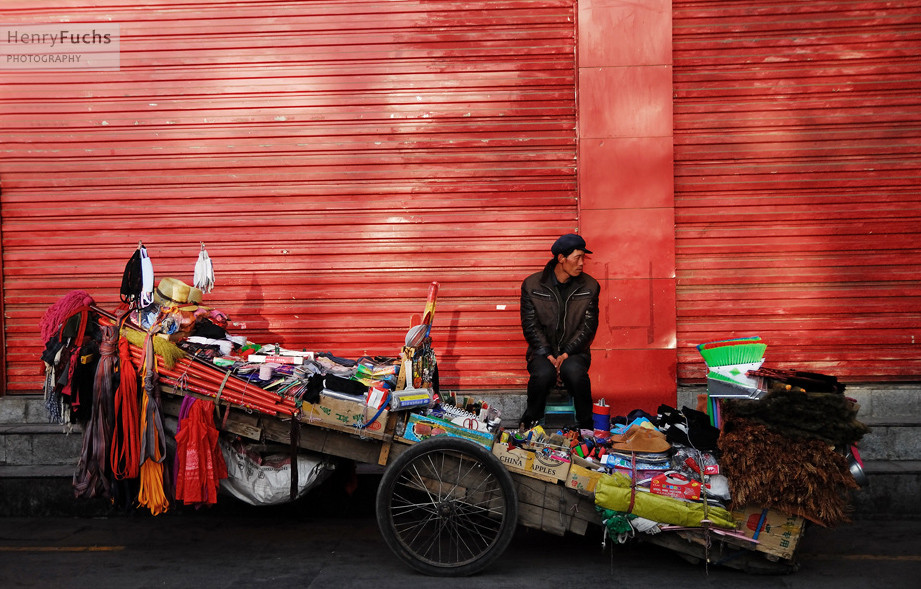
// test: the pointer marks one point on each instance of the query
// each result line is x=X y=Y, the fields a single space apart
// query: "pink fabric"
x=57 y=313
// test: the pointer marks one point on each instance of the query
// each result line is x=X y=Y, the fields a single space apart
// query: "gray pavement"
x=332 y=541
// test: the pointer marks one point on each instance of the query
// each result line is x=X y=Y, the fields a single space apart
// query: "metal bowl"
x=856 y=466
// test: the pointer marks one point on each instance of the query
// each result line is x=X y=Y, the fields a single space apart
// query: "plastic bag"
x=266 y=480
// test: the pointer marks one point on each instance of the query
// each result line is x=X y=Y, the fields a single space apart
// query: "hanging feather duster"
x=802 y=477
x=204 y=272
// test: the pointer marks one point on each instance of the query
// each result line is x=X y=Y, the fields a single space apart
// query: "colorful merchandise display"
x=769 y=448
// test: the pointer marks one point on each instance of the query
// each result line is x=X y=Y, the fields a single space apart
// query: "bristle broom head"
x=741 y=353
x=729 y=342
x=170 y=352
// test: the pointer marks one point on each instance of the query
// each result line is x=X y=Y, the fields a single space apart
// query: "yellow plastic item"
x=613 y=492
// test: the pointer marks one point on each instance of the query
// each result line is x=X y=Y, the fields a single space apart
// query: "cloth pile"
x=71 y=336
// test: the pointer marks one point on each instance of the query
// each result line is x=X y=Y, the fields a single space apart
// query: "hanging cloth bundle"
x=132 y=279
x=200 y=461
x=56 y=315
x=180 y=420
x=126 y=441
x=91 y=477
x=147 y=277
x=60 y=346
x=153 y=440
x=204 y=272
x=138 y=279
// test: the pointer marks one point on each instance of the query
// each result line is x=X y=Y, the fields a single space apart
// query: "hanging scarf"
x=91 y=476
x=126 y=442
x=180 y=419
x=153 y=441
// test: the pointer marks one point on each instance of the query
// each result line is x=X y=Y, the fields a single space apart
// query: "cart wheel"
x=447 y=507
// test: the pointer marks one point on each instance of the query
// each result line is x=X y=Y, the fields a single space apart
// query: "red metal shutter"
x=797 y=175
x=334 y=157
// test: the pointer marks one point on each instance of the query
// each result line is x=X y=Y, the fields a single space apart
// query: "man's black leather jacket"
x=555 y=326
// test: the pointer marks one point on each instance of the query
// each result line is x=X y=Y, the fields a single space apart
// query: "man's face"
x=572 y=264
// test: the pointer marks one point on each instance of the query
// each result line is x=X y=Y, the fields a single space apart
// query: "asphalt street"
x=335 y=543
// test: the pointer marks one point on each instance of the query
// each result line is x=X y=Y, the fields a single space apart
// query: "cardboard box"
x=582 y=479
x=421 y=427
x=342 y=413
x=779 y=533
x=535 y=460
x=675 y=485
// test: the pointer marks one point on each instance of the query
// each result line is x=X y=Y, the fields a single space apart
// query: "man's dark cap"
x=567 y=243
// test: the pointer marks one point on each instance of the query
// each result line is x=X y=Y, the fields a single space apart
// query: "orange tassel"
x=151 y=494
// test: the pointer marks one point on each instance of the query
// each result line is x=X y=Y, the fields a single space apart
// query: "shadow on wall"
x=250 y=320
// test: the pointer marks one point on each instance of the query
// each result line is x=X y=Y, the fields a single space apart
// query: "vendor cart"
x=447 y=505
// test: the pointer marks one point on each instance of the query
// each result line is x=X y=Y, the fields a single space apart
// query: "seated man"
x=559 y=317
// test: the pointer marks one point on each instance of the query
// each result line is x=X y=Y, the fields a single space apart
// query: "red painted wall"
x=334 y=157
x=625 y=192
x=797 y=182
x=627 y=196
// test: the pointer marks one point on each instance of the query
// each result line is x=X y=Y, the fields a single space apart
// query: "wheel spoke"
x=413 y=516
x=483 y=527
x=483 y=511
x=469 y=530
x=420 y=536
x=461 y=539
x=419 y=481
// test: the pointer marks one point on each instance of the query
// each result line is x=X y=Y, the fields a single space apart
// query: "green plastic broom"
x=743 y=350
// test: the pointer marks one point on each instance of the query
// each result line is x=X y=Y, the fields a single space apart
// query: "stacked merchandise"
x=106 y=371
x=655 y=473
x=764 y=452
x=470 y=419
x=536 y=453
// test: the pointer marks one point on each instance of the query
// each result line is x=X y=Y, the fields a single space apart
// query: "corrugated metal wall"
x=797 y=175
x=334 y=157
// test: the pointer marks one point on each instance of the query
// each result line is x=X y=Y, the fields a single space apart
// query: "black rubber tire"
x=447 y=507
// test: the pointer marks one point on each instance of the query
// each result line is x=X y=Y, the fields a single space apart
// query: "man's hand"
x=557 y=361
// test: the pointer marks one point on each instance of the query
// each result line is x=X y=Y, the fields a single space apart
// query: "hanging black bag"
x=132 y=279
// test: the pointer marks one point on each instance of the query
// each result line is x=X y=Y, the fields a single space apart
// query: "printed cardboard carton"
x=675 y=485
x=536 y=460
x=343 y=413
x=582 y=479
x=420 y=427
x=779 y=533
